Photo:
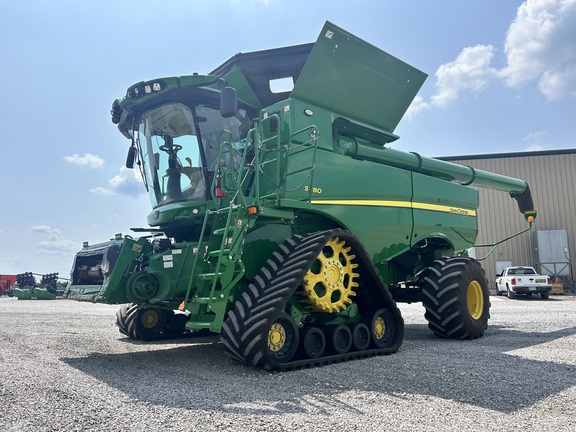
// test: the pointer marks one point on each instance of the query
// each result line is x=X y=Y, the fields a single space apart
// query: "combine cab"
x=280 y=217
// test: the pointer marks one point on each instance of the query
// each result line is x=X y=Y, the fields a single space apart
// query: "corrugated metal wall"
x=552 y=179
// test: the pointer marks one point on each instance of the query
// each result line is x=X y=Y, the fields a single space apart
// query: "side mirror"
x=130 y=157
x=228 y=102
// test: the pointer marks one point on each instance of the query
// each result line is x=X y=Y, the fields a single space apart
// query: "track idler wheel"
x=383 y=328
x=283 y=338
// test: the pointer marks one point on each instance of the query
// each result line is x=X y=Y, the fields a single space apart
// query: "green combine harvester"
x=280 y=218
x=27 y=288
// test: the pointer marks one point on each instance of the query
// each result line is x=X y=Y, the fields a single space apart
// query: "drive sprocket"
x=328 y=285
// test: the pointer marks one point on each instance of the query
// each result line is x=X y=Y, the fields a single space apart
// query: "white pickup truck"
x=522 y=280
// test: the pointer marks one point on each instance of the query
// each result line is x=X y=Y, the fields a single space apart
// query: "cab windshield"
x=179 y=149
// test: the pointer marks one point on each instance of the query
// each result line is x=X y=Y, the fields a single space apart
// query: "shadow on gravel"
x=490 y=372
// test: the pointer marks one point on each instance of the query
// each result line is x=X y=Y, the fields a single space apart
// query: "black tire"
x=456 y=298
x=544 y=295
x=313 y=342
x=360 y=337
x=383 y=328
x=121 y=315
x=498 y=293
x=339 y=338
x=283 y=338
x=511 y=295
x=141 y=323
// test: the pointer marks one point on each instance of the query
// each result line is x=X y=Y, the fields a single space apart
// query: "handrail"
x=494 y=245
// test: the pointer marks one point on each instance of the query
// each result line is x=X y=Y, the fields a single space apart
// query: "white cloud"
x=55 y=243
x=417 y=105
x=535 y=136
x=41 y=229
x=538 y=147
x=540 y=46
x=537 y=141
x=127 y=182
x=99 y=190
x=556 y=84
x=470 y=71
x=89 y=160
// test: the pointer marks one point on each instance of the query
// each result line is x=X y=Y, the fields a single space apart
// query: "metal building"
x=550 y=245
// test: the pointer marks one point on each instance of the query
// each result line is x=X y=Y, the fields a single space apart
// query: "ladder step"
x=215 y=253
x=204 y=300
x=209 y=276
x=222 y=231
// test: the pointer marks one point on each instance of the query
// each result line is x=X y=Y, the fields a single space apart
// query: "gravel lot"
x=65 y=366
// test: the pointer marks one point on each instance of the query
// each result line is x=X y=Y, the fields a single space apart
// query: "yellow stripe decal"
x=402 y=204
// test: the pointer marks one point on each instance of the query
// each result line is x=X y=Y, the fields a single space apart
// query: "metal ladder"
x=229 y=223
x=223 y=248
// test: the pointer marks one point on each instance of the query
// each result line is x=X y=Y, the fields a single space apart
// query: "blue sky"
x=502 y=78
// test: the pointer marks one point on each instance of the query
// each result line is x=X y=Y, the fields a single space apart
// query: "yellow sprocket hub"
x=328 y=285
x=276 y=337
x=379 y=328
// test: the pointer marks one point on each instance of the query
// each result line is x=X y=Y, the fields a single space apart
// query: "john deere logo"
x=459 y=211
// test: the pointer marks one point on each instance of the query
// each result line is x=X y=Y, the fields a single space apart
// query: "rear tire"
x=510 y=293
x=456 y=298
x=544 y=296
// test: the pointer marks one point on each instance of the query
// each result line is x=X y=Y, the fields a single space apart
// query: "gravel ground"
x=65 y=366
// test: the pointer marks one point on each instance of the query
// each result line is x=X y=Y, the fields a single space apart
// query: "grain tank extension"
x=281 y=219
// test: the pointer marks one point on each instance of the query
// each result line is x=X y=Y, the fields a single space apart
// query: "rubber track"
x=443 y=313
x=245 y=330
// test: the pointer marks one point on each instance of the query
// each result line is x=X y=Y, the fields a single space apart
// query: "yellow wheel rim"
x=276 y=337
x=149 y=319
x=379 y=327
x=328 y=285
x=475 y=300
